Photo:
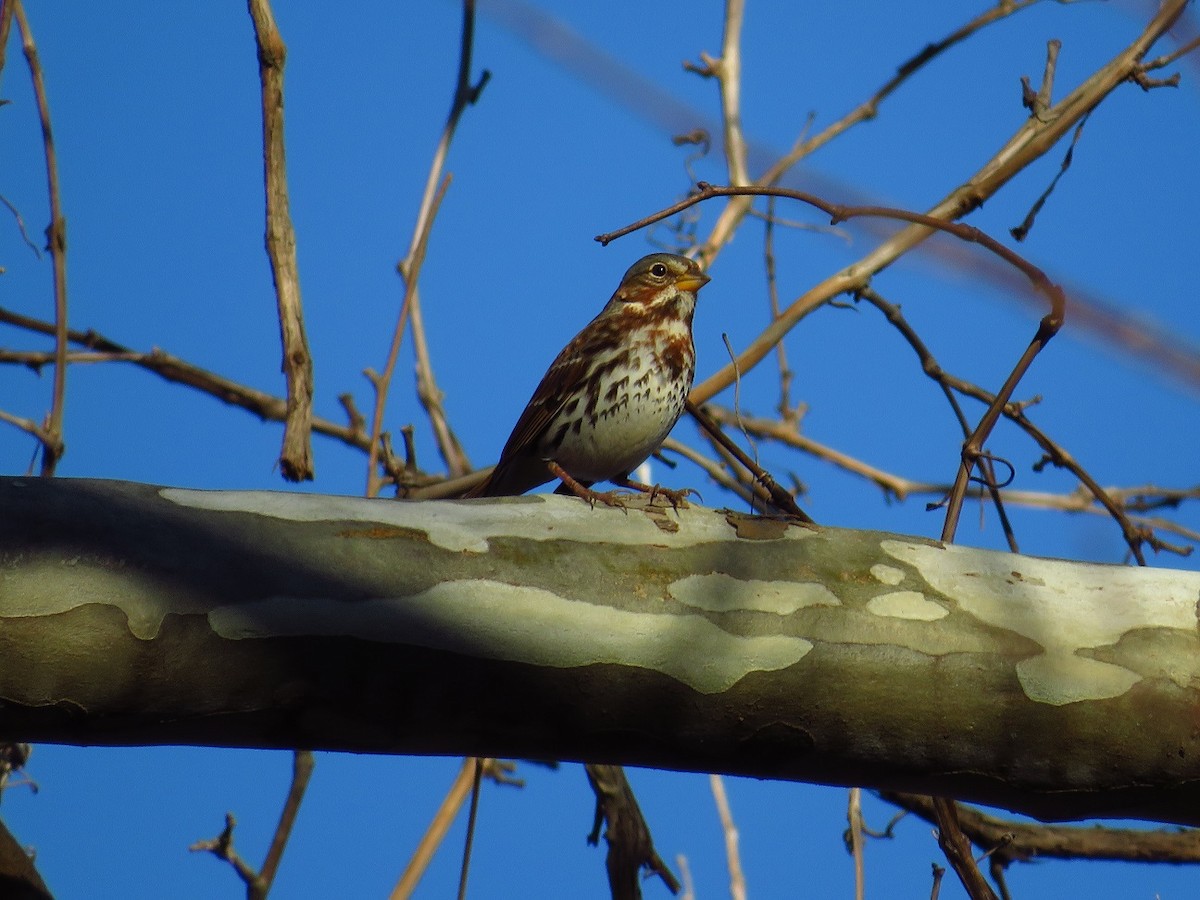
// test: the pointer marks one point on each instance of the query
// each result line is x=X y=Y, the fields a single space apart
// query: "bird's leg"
x=608 y=498
x=676 y=498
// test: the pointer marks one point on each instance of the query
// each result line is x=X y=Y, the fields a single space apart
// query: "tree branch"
x=141 y=615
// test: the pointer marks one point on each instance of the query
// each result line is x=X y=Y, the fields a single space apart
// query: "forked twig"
x=258 y=884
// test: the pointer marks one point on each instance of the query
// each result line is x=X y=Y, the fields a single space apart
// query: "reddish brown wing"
x=520 y=469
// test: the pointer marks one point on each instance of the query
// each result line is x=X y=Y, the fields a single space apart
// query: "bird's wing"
x=520 y=467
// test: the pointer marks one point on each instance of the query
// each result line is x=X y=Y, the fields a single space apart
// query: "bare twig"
x=173 y=369
x=472 y=818
x=439 y=826
x=854 y=840
x=465 y=94
x=733 y=859
x=1112 y=502
x=785 y=373
x=381 y=382
x=303 y=763
x=685 y=876
x=295 y=458
x=958 y=851
x=1032 y=139
x=1020 y=232
x=1008 y=840
x=222 y=847
x=258 y=884
x=56 y=243
x=933 y=370
x=728 y=72
x=778 y=496
x=16 y=213
x=630 y=846
x=6 y=17
x=730 y=217
x=436 y=833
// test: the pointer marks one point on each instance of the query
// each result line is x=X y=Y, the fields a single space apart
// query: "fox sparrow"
x=613 y=394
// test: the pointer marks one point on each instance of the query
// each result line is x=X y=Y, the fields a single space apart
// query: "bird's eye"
x=658 y=270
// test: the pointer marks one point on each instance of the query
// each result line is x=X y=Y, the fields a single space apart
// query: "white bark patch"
x=494 y=620
x=467 y=525
x=724 y=593
x=887 y=574
x=41 y=589
x=1066 y=607
x=906 y=605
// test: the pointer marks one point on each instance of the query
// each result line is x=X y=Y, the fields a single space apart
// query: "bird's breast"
x=630 y=403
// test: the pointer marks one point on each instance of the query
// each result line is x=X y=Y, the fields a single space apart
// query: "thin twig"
x=731 y=217
x=958 y=851
x=785 y=372
x=728 y=72
x=56 y=243
x=1031 y=140
x=685 y=878
x=16 y=213
x=258 y=884
x=436 y=832
x=295 y=458
x=465 y=94
x=173 y=369
x=439 y=826
x=932 y=369
x=854 y=840
x=1084 y=499
x=472 y=817
x=303 y=763
x=381 y=382
x=733 y=859
x=1008 y=840
x=779 y=497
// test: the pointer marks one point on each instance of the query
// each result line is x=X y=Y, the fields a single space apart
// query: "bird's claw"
x=675 y=498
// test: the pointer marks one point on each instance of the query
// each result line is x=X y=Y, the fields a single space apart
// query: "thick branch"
x=536 y=627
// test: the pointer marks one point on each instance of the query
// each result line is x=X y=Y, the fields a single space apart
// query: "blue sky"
x=156 y=118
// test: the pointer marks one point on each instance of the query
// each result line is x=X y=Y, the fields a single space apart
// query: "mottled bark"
x=537 y=627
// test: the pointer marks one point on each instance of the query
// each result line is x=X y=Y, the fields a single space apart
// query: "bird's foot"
x=675 y=498
x=609 y=498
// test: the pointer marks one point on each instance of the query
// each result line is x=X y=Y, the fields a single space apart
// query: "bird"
x=613 y=394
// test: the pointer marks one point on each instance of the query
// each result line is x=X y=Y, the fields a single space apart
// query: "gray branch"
x=537 y=627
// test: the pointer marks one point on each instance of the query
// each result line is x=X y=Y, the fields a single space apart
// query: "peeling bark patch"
x=499 y=621
x=887 y=574
x=1068 y=608
x=906 y=605
x=36 y=590
x=757 y=528
x=1059 y=679
x=723 y=593
x=465 y=526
